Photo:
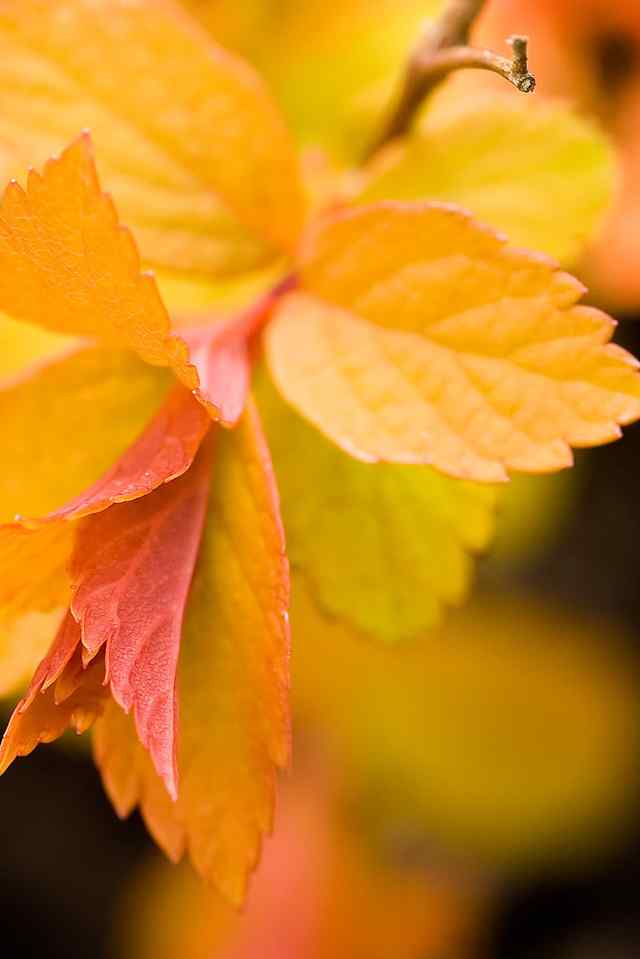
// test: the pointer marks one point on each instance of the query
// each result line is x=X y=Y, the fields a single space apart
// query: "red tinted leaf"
x=61 y=695
x=55 y=662
x=234 y=681
x=221 y=355
x=131 y=571
x=34 y=553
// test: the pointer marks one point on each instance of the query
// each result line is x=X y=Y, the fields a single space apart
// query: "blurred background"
x=474 y=794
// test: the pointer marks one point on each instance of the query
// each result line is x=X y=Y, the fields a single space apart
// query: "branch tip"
x=521 y=78
x=443 y=48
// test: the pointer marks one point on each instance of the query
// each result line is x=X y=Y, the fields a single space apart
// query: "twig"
x=436 y=67
x=441 y=50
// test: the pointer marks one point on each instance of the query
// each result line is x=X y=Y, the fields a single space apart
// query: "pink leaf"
x=131 y=571
x=222 y=355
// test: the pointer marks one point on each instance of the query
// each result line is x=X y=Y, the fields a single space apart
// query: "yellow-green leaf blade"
x=383 y=547
x=534 y=169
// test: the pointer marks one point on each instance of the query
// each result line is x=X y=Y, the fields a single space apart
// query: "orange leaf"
x=67 y=264
x=130 y=779
x=56 y=661
x=189 y=139
x=233 y=681
x=62 y=694
x=131 y=571
x=418 y=336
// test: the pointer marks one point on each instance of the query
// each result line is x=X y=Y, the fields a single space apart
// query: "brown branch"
x=453 y=27
x=435 y=68
x=441 y=50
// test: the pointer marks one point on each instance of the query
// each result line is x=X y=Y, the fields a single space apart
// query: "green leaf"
x=531 y=168
x=384 y=547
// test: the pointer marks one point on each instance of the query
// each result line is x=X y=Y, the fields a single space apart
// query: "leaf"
x=188 y=137
x=61 y=695
x=66 y=264
x=131 y=570
x=96 y=403
x=129 y=779
x=510 y=736
x=23 y=643
x=21 y=345
x=222 y=353
x=382 y=546
x=164 y=451
x=419 y=337
x=34 y=553
x=55 y=663
x=233 y=681
x=590 y=75
x=509 y=162
x=221 y=356
x=33 y=568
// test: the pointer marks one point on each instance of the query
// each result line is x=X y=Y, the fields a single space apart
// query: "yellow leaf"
x=23 y=643
x=33 y=569
x=188 y=138
x=510 y=735
x=233 y=682
x=533 y=169
x=21 y=345
x=382 y=546
x=63 y=424
x=417 y=336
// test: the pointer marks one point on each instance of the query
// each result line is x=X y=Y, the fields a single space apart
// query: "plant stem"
x=441 y=50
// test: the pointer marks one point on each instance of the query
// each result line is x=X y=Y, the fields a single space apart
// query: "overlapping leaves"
x=188 y=137
x=428 y=353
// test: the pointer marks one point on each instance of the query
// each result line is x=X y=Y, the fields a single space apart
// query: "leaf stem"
x=202 y=325
x=441 y=50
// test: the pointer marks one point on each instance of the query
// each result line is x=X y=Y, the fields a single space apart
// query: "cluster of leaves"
x=411 y=358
